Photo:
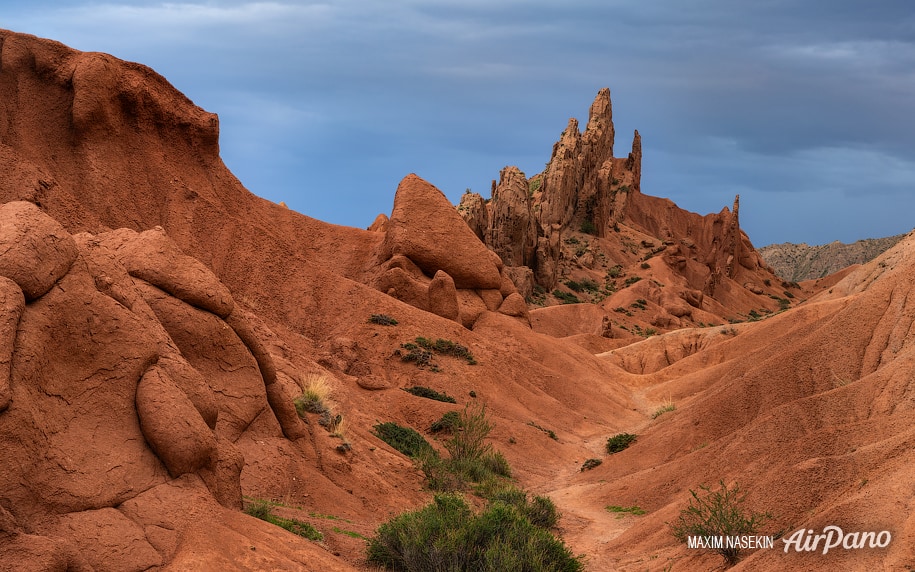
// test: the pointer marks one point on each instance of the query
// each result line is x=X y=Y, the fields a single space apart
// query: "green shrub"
x=566 y=297
x=620 y=442
x=645 y=266
x=417 y=355
x=420 y=391
x=541 y=511
x=584 y=285
x=534 y=185
x=471 y=459
x=447 y=535
x=669 y=406
x=313 y=399
x=590 y=464
x=404 y=439
x=615 y=271
x=263 y=510
x=588 y=227
x=495 y=463
x=467 y=443
x=718 y=513
x=448 y=423
x=631 y=280
x=382 y=320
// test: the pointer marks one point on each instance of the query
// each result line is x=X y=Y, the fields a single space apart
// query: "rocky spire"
x=561 y=178
x=512 y=231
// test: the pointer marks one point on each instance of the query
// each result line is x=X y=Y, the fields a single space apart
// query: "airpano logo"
x=833 y=537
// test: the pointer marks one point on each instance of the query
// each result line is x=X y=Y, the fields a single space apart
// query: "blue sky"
x=806 y=108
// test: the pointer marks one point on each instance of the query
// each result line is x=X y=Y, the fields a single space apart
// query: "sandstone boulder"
x=425 y=228
x=443 y=296
x=153 y=257
x=36 y=250
x=515 y=306
x=171 y=425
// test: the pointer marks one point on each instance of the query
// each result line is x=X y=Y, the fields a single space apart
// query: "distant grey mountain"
x=797 y=262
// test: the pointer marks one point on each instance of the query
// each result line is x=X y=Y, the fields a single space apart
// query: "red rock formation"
x=104 y=345
x=120 y=375
x=512 y=229
x=586 y=191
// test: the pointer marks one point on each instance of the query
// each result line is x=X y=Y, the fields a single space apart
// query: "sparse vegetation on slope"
x=404 y=439
x=470 y=460
x=420 y=391
x=718 y=513
x=448 y=535
x=263 y=510
x=620 y=442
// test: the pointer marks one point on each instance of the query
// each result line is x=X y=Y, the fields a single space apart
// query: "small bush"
x=615 y=271
x=575 y=286
x=620 y=442
x=590 y=464
x=541 y=511
x=420 y=391
x=718 y=513
x=588 y=227
x=584 y=285
x=448 y=423
x=382 y=320
x=566 y=297
x=468 y=441
x=315 y=392
x=495 y=463
x=471 y=459
x=669 y=406
x=404 y=439
x=447 y=535
x=534 y=185
x=264 y=511
x=645 y=266
x=417 y=355
x=631 y=280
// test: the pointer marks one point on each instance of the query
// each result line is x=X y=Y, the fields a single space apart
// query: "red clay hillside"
x=159 y=322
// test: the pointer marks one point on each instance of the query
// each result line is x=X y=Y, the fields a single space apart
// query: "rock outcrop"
x=432 y=259
x=512 y=228
x=125 y=342
x=585 y=214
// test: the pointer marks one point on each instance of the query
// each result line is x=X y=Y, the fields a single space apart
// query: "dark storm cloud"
x=804 y=108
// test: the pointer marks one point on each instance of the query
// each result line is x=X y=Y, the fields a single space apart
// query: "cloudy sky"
x=806 y=108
